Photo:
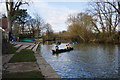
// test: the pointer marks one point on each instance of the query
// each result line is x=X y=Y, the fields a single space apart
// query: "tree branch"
x=7 y=6
x=114 y=7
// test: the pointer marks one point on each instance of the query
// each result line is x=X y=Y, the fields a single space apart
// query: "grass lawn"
x=23 y=75
x=23 y=56
x=10 y=50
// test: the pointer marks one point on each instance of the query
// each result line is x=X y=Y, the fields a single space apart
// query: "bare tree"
x=39 y=24
x=107 y=16
x=105 y=19
x=114 y=6
x=80 y=26
x=12 y=7
x=35 y=25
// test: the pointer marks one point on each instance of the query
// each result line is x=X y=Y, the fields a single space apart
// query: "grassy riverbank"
x=22 y=66
x=25 y=75
x=9 y=49
x=23 y=56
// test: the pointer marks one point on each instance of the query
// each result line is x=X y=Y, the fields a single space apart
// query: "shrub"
x=23 y=36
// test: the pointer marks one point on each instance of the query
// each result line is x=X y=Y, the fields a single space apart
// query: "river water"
x=85 y=61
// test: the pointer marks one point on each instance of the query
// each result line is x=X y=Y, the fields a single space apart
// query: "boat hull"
x=62 y=50
x=29 y=40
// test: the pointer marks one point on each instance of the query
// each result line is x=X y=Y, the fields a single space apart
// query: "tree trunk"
x=9 y=25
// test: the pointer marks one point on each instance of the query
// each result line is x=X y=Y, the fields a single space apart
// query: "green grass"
x=10 y=50
x=23 y=56
x=23 y=75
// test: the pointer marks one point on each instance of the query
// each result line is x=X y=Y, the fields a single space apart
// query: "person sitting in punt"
x=56 y=47
x=68 y=46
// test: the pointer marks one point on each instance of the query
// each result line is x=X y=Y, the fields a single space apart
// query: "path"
x=40 y=65
x=45 y=68
x=22 y=67
x=19 y=66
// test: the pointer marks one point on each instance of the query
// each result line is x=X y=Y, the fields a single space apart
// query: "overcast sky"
x=55 y=13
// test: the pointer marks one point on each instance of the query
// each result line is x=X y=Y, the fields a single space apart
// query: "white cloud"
x=54 y=15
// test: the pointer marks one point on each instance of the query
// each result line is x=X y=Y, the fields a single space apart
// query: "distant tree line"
x=98 y=24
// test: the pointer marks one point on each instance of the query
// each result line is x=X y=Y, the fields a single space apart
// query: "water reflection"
x=85 y=61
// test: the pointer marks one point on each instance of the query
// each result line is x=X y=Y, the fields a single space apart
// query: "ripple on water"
x=85 y=61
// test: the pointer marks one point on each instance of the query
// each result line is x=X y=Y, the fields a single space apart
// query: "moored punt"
x=29 y=40
x=62 y=50
x=73 y=43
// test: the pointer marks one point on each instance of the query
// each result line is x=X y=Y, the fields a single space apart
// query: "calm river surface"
x=85 y=61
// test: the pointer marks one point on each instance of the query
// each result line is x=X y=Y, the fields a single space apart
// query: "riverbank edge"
x=45 y=68
x=35 y=71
